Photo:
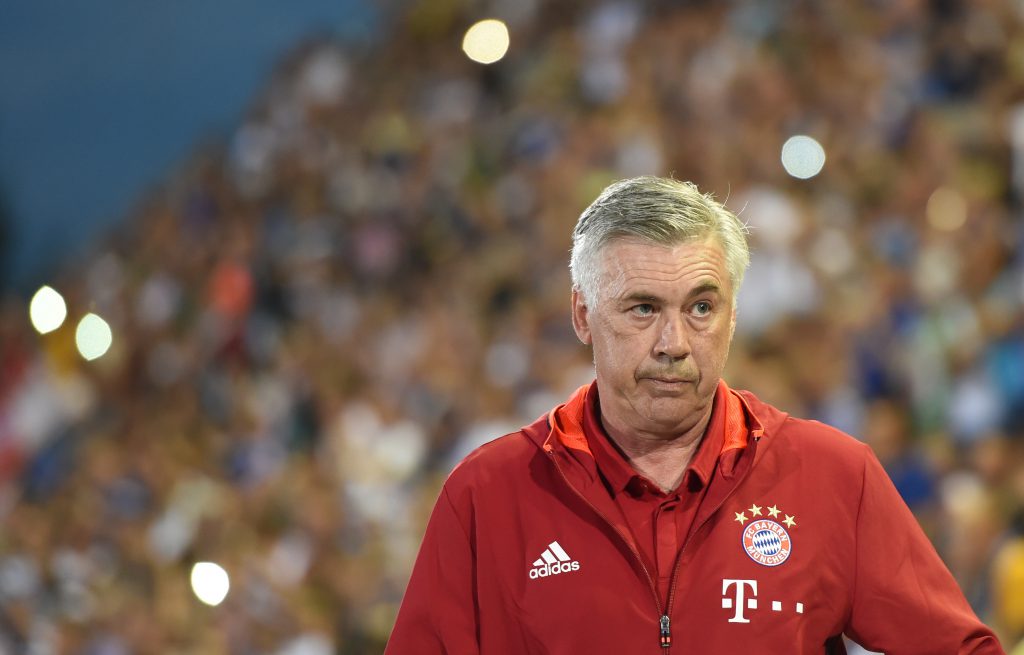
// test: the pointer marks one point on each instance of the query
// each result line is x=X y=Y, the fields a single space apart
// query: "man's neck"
x=661 y=460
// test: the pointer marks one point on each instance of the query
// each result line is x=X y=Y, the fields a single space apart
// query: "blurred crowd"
x=317 y=316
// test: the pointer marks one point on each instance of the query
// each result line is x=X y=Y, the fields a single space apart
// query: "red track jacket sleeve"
x=905 y=601
x=438 y=614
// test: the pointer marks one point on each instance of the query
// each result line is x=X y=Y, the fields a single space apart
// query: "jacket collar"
x=561 y=433
x=560 y=436
x=726 y=431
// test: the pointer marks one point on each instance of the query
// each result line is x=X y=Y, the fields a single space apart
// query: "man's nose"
x=673 y=340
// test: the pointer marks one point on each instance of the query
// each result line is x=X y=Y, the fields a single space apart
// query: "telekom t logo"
x=741 y=596
x=740 y=600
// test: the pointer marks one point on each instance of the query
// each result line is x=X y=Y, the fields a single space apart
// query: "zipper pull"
x=666 y=633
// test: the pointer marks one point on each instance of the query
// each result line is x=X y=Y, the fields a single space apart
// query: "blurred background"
x=270 y=270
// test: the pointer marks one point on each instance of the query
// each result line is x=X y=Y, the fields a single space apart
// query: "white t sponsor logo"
x=740 y=601
x=743 y=597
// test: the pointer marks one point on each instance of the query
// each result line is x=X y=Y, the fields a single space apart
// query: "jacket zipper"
x=664 y=623
x=679 y=555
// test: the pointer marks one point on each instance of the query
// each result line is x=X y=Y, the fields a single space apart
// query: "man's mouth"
x=670 y=380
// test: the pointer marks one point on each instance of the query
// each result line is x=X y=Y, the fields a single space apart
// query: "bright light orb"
x=486 y=42
x=47 y=310
x=210 y=583
x=802 y=156
x=946 y=210
x=93 y=337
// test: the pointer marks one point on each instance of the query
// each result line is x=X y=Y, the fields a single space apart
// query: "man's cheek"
x=621 y=329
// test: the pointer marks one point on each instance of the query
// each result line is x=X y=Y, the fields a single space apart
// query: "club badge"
x=765 y=540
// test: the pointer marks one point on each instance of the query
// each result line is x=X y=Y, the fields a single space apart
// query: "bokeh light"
x=486 y=41
x=93 y=337
x=946 y=210
x=802 y=156
x=210 y=583
x=47 y=310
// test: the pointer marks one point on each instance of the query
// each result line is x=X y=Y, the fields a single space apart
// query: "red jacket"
x=801 y=537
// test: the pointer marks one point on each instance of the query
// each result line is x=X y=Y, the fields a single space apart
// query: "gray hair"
x=660 y=210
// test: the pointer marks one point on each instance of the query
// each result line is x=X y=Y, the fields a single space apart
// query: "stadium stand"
x=315 y=319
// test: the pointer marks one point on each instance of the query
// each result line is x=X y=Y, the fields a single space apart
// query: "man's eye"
x=702 y=308
x=643 y=309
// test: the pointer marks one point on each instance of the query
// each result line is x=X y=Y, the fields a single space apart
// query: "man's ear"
x=581 y=317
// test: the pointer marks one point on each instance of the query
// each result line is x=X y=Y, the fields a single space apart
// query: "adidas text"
x=553 y=569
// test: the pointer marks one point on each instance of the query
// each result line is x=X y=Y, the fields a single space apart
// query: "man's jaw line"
x=655 y=435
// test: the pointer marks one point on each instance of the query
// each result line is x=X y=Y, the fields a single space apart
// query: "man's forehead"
x=631 y=255
x=632 y=266
x=641 y=291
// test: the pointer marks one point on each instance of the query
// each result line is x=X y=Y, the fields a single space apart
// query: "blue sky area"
x=100 y=99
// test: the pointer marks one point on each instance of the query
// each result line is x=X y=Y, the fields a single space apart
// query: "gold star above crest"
x=755 y=511
x=741 y=517
x=773 y=511
x=789 y=521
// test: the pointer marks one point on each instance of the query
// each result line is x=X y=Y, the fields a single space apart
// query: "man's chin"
x=670 y=408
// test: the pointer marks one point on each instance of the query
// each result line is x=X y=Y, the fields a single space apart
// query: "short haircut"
x=656 y=209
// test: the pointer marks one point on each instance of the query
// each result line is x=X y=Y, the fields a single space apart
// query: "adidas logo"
x=552 y=561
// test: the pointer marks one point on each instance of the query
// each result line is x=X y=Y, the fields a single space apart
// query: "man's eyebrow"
x=639 y=296
x=642 y=296
x=705 y=287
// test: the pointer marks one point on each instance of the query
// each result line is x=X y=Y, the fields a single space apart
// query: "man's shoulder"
x=502 y=458
x=807 y=437
x=818 y=437
x=498 y=453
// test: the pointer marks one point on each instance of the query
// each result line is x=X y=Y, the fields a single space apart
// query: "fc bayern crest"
x=767 y=542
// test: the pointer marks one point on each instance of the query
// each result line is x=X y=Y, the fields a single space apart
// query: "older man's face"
x=660 y=330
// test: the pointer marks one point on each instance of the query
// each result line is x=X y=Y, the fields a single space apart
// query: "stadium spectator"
x=395 y=218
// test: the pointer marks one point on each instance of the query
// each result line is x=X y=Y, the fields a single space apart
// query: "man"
x=658 y=510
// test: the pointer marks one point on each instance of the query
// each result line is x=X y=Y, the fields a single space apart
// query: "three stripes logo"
x=553 y=561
